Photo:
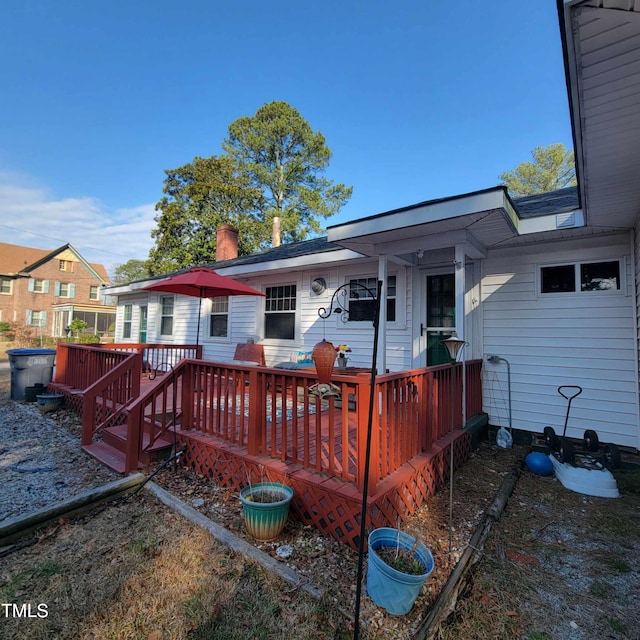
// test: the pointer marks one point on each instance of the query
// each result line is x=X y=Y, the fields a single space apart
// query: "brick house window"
x=36 y=318
x=65 y=290
x=38 y=286
x=5 y=285
x=65 y=265
x=93 y=293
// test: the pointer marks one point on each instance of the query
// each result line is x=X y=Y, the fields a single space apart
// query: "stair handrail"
x=130 y=367
x=135 y=412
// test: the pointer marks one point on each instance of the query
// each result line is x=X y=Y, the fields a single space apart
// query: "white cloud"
x=31 y=216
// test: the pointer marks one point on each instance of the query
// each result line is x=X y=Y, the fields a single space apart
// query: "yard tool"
x=561 y=445
x=590 y=442
x=585 y=472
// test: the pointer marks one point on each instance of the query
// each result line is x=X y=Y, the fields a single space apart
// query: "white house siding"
x=246 y=318
x=551 y=340
x=636 y=250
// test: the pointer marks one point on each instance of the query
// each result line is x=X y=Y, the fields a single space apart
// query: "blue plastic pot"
x=389 y=588
x=265 y=520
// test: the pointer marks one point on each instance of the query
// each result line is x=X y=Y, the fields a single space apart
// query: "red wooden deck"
x=243 y=424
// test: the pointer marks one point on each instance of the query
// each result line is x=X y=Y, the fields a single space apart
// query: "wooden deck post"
x=256 y=415
x=188 y=394
x=363 y=397
x=88 y=417
x=62 y=359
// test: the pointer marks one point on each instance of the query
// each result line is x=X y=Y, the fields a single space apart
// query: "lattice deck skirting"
x=73 y=399
x=329 y=504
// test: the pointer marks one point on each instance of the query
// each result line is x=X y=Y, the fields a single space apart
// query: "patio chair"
x=250 y=352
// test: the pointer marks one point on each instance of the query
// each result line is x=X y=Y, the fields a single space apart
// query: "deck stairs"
x=111 y=449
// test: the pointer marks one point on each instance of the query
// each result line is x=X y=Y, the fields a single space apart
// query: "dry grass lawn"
x=136 y=570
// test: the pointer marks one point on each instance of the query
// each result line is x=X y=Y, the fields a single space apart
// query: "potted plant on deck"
x=342 y=359
x=398 y=566
x=266 y=506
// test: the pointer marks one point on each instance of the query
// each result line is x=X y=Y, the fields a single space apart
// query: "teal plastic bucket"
x=265 y=520
x=389 y=588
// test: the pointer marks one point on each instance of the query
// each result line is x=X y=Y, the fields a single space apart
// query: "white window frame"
x=2 y=281
x=219 y=306
x=400 y=298
x=97 y=289
x=42 y=318
x=127 y=321
x=577 y=264
x=40 y=285
x=164 y=315
x=296 y=312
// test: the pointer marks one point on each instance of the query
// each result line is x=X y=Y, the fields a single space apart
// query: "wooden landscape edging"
x=237 y=544
x=13 y=529
x=445 y=605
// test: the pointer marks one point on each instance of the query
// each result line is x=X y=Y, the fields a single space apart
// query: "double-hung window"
x=93 y=293
x=280 y=312
x=361 y=299
x=219 y=319
x=65 y=290
x=166 y=317
x=38 y=286
x=36 y=318
x=126 y=320
x=5 y=285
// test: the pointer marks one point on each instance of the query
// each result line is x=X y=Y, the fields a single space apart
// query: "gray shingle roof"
x=292 y=250
x=543 y=204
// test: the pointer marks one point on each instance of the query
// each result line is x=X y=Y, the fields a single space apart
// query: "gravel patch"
x=41 y=462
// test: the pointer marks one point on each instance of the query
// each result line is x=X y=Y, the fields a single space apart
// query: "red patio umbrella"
x=202 y=282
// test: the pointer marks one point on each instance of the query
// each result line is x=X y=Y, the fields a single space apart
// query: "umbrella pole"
x=199 y=309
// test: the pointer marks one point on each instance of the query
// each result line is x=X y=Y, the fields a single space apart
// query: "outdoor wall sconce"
x=318 y=286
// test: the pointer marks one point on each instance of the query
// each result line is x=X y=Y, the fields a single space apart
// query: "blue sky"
x=417 y=100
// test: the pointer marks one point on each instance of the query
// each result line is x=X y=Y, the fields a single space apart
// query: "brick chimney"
x=226 y=242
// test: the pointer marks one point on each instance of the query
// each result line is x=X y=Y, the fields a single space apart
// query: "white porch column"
x=383 y=271
x=460 y=284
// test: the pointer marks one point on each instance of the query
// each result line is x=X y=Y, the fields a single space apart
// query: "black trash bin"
x=28 y=368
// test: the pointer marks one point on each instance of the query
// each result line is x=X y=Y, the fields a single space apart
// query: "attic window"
x=66 y=265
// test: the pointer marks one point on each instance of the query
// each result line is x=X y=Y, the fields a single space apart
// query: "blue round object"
x=539 y=464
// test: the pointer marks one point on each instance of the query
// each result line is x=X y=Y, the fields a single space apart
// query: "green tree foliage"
x=130 y=271
x=284 y=159
x=553 y=167
x=199 y=197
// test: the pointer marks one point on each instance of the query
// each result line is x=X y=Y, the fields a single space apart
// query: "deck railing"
x=105 y=401
x=271 y=412
x=157 y=357
x=78 y=366
x=157 y=411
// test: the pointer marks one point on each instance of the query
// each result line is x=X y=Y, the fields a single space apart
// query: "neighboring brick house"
x=47 y=289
